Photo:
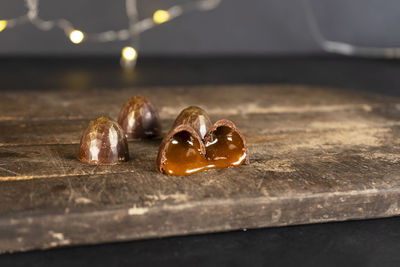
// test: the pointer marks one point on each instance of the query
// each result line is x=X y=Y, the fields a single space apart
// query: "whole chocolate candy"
x=103 y=143
x=139 y=118
x=196 y=118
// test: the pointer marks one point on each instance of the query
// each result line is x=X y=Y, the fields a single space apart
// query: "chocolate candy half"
x=103 y=143
x=139 y=118
x=184 y=151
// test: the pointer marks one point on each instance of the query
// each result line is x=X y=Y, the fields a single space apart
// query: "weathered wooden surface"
x=317 y=154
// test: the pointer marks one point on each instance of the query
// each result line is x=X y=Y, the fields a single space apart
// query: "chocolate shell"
x=196 y=118
x=139 y=118
x=103 y=143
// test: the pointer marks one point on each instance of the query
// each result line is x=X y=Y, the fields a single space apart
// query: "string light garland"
x=76 y=36
x=3 y=24
x=161 y=16
x=136 y=27
x=132 y=32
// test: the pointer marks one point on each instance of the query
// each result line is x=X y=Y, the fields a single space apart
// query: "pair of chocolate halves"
x=192 y=145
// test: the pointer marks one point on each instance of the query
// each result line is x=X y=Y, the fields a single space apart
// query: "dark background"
x=236 y=27
x=367 y=243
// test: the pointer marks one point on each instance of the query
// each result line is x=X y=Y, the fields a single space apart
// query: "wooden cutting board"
x=317 y=155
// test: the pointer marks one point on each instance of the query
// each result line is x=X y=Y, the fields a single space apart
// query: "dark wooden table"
x=318 y=153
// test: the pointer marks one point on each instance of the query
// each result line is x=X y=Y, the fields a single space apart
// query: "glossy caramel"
x=183 y=156
x=225 y=148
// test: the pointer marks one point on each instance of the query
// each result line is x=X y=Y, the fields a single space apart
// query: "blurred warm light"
x=129 y=53
x=3 y=24
x=161 y=16
x=76 y=36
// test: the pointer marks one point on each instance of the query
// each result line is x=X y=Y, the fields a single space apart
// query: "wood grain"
x=317 y=155
x=226 y=100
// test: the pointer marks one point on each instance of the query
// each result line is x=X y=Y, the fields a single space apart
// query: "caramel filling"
x=183 y=157
x=225 y=148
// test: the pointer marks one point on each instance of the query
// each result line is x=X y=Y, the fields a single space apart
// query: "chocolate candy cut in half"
x=184 y=152
x=225 y=145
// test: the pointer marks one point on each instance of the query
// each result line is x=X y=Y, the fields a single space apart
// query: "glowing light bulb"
x=161 y=16
x=3 y=24
x=129 y=53
x=76 y=36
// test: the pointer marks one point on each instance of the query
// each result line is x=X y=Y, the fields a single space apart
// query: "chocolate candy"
x=196 y=118
x=103 y=143
x=184 y=151
x=139 y=118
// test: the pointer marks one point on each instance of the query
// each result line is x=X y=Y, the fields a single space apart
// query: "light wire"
x=344 y=48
